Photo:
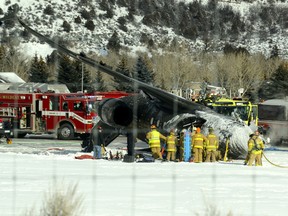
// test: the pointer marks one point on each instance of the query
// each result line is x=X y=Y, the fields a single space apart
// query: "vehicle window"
x=65 y=105
x=54 y=103
x=269 y=112
x=91 y=106
x=78 y=106
x=242 y=112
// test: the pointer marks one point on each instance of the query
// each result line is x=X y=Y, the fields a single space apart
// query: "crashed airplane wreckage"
x=132 y=115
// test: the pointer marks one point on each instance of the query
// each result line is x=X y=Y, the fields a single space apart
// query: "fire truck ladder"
x=8 y=112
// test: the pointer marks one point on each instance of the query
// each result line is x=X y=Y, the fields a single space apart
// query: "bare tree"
x=235 y=71
x=14 y=61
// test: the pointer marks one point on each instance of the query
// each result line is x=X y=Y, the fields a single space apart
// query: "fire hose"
x=277 y=165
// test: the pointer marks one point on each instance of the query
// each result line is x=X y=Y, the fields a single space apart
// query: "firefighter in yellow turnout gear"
x=154 y=142
x=198 y=142
x=211 y=146
x=171 y=142
x=255 y=148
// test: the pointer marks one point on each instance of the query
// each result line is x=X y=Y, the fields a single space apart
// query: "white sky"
x=123 y=189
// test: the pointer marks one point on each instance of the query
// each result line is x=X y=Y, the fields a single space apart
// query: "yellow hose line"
x=226 y=150
x=273 y=163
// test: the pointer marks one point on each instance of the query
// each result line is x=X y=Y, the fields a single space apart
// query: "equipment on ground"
x=187 y=146
x=277 y=165
x=4 y=129
x=226 y=149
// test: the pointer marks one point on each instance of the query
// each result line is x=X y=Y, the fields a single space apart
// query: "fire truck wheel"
x=65 y=132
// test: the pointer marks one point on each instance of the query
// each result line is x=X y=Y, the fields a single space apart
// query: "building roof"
x=10 y=77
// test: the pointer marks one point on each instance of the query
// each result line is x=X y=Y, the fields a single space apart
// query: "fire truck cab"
x=238 y=108
x=216 y=98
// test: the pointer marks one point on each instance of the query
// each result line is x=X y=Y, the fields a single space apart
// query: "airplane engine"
x=115 y=112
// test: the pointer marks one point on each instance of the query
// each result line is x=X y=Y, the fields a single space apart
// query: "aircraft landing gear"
x=130 y=156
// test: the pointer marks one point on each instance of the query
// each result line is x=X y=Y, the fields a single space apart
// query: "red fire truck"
x=65 y=114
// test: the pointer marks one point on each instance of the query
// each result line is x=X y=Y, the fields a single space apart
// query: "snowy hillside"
x=143 y=25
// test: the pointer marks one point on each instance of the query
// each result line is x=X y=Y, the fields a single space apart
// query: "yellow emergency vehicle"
x=216 y=98
x=237 y=107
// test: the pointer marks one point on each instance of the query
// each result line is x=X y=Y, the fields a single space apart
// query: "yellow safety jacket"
x=171 y=143
x=154 y=138
x=212 y=143
x=255 y=145
x=198 y=140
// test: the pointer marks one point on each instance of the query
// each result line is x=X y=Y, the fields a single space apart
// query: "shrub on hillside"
x=122 y=24
x=92 y=13
x=49 y=10
x=77 y=20
x=85 y=14
x=66 y=26
x=90 y=25
x=25 y=34
x=114 y=43
x=123 y=3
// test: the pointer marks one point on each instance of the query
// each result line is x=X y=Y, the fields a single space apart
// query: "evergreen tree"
x=52 y=58
x=78 y=67
x=123 y=69
x=38 y=71
x=277 y=86
x=12 y=10
x=98 y=84
x=66 y=73
x=114 y=43
x=70 y=73
x=52 y=64
x=280 y=79
x=142 y=72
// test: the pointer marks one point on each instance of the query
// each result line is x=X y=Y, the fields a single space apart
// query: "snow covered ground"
x=118 y=188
